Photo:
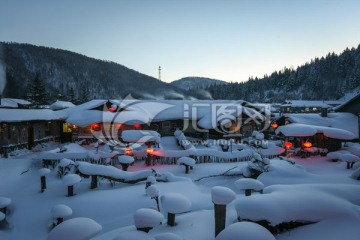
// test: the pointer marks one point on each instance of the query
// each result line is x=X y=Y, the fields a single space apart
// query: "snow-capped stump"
x=133 y=235
x=125 y=161
x=59 y=212
x=75 y=229
x=153 y=193
x=4 y=203
x=174 y=203
x=350 y=159
x=2 y=216
x=245 y=230
x=149 y=181
x=221 y=196
x=188 y=162
x=70 y=180
x=43 y=172
x=167 y=236
x=334 y=156
x=249 y=184
x=146 y=219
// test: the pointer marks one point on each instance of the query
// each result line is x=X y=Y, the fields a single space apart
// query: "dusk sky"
x=228 y=40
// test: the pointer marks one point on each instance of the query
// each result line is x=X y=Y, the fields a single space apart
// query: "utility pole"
x=160 y=73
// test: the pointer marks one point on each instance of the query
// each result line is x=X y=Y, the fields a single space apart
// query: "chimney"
x=324 y=112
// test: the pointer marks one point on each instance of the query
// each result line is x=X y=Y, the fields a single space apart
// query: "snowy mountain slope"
x=196 y=82
x=64 y=70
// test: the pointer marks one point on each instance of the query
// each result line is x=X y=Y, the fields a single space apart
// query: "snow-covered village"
x=92 y=149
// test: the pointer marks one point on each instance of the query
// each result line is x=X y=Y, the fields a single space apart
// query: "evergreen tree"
x=71 y=95
x=36 y=92
x=84 y=95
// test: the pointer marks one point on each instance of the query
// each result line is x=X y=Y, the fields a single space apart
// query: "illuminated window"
x=66 y=127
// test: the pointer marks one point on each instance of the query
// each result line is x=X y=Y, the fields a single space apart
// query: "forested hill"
x=196 y=82
x=323 y=78
x=62 y=71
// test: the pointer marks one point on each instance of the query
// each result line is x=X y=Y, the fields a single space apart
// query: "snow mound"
x=249 y=183
x=65 y=162
x=71 y=179
x=348 y=157
x=175 y=203
x=245 y=231
x=2 y=216
x=124 y=159
x=186 y=161
x=152 y=191
x=167 y=236
x=222 y=195
x=145 y=217
x=134 y=235
x=61 y=211
x=170 y=177
x=75 y=229
x=4 y=202
x=43 y=171
x=151 y=179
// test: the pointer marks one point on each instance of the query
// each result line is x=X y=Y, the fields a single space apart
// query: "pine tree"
x=71 y=95
x=84 y=95
x=36 y=92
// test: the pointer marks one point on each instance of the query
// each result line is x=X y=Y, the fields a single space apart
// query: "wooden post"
x=157 y=203
x=124 y=166
x=171 y=219
x=93 y=181
x=70 y=190
x=43 y=183
x=247 y=192
x=186 y=168
x=59 y=220
x=220 y=218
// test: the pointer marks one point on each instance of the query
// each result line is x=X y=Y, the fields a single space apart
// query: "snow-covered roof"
x=305 y=103
x=303 y=130
x=21 y=115
x=58 y=105
x=13 y=102
x=142 y=136
x=146 y=111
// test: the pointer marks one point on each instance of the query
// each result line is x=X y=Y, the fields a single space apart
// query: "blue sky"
x=224 y=39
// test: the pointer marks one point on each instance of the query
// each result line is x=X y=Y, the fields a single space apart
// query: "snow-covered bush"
x=64 y=167
x=153 y=192
x=150 y=181
x=174 y=203
x=256 y=166
x=145 y=219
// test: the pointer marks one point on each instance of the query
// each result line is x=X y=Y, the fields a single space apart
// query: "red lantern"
x=95 y=126
x=137 y=126
x=119 y=126
x=288 y=144
x=307 y=144
x=274 y=125
x=112 y=109
x=128 y=151
x=74 y=127
x=149 y=150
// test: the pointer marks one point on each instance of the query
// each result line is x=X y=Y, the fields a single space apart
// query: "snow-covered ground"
x=313 y=189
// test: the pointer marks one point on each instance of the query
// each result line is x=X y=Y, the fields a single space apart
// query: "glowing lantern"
x=95 y=126
x=112 y=109
x=288 y=144
x=137 y=126
x=149 y=150
x=274 y=125
x=307 y=144
x=128 y=151
x=74 y=127
x=119 y=126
